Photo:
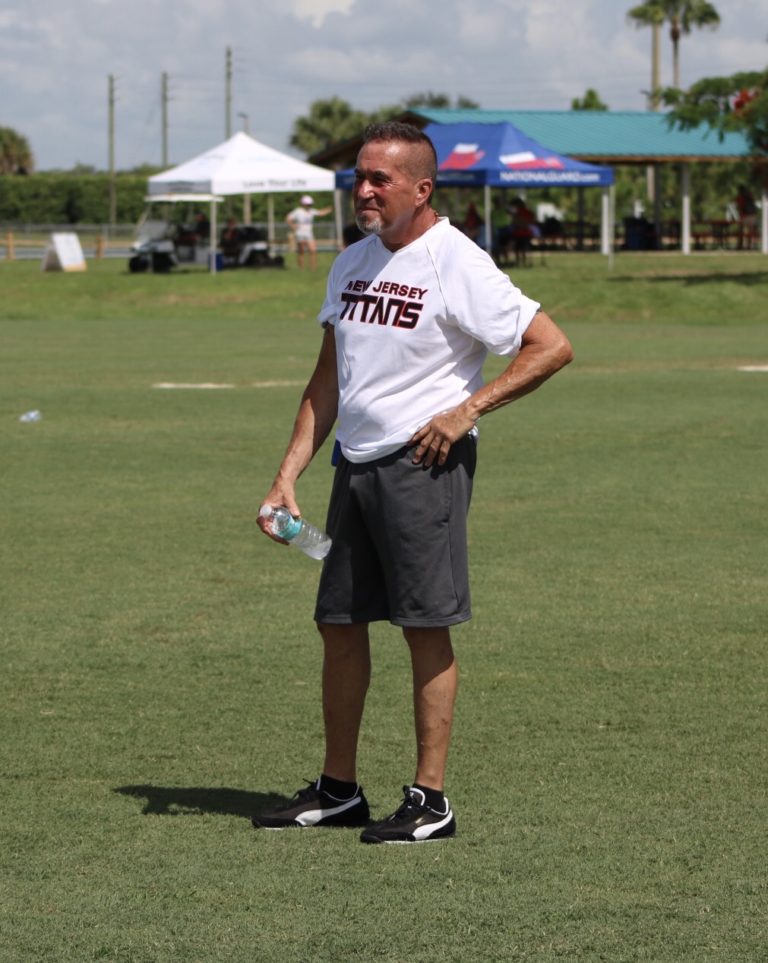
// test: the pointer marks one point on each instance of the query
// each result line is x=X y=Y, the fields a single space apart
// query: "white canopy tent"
x=240 y=165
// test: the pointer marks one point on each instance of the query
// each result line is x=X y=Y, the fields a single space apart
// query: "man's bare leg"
x=435 y=681
x=346 y=675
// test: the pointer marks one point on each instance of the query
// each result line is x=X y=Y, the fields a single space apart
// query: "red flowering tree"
x=737 y=103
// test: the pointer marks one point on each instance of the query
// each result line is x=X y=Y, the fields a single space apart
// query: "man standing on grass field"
x=409 y=316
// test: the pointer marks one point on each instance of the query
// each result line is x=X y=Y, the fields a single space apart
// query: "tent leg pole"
x=271 y=221
x=212 y=238
x=488 y=225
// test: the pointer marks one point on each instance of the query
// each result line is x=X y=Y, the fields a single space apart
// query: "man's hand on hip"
x=434 y=440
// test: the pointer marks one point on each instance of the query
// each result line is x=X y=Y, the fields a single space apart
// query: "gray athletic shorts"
x=399 y=534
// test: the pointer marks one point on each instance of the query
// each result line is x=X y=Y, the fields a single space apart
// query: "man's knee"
x=342 y=641
x=429 y=644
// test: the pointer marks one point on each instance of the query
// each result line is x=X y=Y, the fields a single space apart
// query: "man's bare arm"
x=314 y=421
x=545 y=350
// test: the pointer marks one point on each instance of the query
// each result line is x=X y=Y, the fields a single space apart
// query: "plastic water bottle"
x=297 y=531
x=29 y=416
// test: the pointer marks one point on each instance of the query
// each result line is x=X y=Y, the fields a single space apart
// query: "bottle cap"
x=265 y=511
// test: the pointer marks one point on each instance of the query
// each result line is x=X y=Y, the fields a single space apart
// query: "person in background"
x=409 y=316
x=502 y=229
x=473 y=222
x=230 y=241
x=202 y=228
x=523 y=230
x=747 y=211
x=300 y=220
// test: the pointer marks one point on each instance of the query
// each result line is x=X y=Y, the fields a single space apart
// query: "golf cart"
x=167 y=241
x=154 y=249
x=172 y=230
x=246 y=245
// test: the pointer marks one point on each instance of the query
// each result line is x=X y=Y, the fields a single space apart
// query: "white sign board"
x=64 y=253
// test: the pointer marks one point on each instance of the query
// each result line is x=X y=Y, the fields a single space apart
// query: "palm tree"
x=15 y=153
x=681 y=15
x=328 y=122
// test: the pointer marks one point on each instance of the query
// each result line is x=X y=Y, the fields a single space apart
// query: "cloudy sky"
x=55 y=58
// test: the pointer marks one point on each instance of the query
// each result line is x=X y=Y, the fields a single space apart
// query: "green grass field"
x=160 y=668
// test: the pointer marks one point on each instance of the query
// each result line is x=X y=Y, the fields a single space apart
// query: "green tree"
x=736 y=103
x=414 y=102
x=15 y=153
x=333 y=121
x=429 y=99
x=328 y=122
x=590 y=101
x=681 y=15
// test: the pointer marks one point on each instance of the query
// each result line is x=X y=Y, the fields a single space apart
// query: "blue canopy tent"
x=501 y=155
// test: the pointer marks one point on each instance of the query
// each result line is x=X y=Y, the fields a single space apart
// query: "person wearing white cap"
x=300 y=221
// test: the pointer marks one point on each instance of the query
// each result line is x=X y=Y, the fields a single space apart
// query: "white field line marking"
x=205 y=385
x=754 y=367
x=213 y=386
x=278 y=384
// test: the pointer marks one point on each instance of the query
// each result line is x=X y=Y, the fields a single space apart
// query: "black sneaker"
x=313 y=807
x=413 y=822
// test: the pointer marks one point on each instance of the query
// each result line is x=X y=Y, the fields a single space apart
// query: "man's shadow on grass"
x=195 y=801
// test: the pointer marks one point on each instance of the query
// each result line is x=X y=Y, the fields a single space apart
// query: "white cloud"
x=484 y=26
x=318 y=10
x=501 y=53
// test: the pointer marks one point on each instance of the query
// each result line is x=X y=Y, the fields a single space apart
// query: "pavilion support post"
x=685 y=217
x=605 y=222
x=658 y=230
x=580 y=219
x=764 y=222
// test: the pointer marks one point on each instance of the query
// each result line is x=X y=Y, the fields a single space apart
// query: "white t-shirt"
x=301 y=219
x=412 y=331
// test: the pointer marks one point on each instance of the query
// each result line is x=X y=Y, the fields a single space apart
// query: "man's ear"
x=424 y=189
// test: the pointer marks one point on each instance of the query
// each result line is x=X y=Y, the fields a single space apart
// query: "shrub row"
x=75 y=198
x=54 y=198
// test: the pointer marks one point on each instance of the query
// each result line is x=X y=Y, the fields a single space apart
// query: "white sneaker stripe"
x=424 y=832
x=313 y=816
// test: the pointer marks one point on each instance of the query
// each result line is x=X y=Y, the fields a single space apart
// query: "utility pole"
x=164 y=116
x=112 y=184
x=655 y=65
x=228 y=94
